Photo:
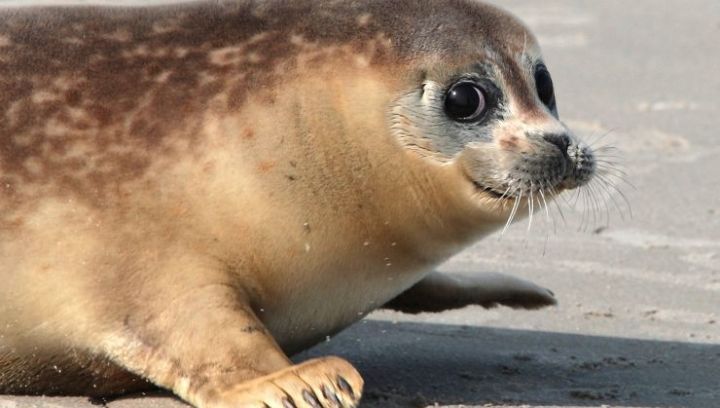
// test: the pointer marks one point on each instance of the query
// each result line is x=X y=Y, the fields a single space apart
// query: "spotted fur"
x=188 y=193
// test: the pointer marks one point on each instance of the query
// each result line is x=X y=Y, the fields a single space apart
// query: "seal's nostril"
x=562 y=141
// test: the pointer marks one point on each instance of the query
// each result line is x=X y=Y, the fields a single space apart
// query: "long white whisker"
x=500 y=202
x=586 y=212
x=547 y=210
x=502 y=197
x=596 y=205
x=557 y=205
x=621 y=174
x=531 y=208
x=617 y=206
x=547 y=217
x=609 y=163
x=617 y=190
x=622 y=178
x=512 y=213
x=599 y=201
x=590 y=208
x=604 y=195
x=603 y=136
x=608 y=152
x=606 y=148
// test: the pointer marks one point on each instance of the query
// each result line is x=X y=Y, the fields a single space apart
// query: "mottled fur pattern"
x=189 y=192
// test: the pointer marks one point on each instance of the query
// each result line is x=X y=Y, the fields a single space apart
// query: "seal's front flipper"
x=439 y=292
x=324 y=382
x=212 y=351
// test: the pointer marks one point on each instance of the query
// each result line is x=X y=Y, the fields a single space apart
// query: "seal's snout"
x=582 y=168
x=580 y=160
x=562 y=141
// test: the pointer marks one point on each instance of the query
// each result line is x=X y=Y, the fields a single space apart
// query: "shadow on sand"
x=418 y=364
x=411 y=364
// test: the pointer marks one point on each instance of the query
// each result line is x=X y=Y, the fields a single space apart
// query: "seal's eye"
x=465 y=101
x=544 y=85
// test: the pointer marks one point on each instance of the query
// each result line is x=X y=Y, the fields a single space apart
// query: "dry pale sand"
x=638 y=324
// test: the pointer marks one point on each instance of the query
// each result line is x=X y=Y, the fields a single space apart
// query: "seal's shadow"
x=416 y=364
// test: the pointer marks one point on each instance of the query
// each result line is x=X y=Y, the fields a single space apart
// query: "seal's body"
x=188 y=192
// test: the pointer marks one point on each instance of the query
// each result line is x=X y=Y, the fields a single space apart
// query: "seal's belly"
x=312 y=314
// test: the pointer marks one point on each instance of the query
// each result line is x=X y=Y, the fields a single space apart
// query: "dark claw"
x=311 y=399
x=288 y=403
x=329 y=394
x=345 y=386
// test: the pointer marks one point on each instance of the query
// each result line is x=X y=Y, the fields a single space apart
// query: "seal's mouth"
x=522 y=187
x=500 y=195
x=508 y=186
x=534 y=176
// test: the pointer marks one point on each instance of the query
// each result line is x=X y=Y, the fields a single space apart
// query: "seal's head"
x=484 y=103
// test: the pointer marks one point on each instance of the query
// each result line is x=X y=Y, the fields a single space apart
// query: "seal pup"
x=189 y=193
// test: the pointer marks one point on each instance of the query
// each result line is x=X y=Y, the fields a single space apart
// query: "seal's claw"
x=334 y=381
x=328 y=382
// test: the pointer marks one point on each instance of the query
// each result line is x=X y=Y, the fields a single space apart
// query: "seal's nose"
x=562 y=141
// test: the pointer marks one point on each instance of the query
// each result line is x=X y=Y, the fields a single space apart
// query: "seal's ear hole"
x=544 y=86
x=465 y=102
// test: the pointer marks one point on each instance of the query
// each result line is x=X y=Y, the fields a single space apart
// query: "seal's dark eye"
x=465 y=101
x=544 y=85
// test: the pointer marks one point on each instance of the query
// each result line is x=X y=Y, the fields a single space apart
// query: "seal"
x=189 y=193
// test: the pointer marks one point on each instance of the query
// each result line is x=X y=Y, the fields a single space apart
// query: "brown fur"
x=189 y=192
